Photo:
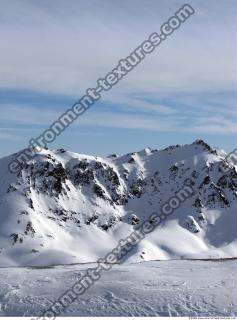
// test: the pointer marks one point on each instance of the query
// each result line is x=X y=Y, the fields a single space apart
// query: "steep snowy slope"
x=65 y=208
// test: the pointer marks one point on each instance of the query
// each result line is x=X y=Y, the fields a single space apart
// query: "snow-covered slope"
x=65 y=208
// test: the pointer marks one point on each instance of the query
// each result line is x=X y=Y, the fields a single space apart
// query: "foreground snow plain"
x=155 y=288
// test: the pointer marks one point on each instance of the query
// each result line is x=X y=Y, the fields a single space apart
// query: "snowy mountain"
x=64 y=207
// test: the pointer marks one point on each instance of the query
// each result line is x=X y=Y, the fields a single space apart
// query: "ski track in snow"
x=158 y=288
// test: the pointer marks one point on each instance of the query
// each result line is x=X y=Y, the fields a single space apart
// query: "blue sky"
x=52 y=51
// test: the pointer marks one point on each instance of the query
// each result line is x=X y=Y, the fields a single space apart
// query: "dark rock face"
x=191 y=225
x=134 y=219
x=137 y=187
x=202 y=143
x=198 y=203
x=99 y=191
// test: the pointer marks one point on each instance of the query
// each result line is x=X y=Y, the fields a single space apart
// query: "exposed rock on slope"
x=64 y=207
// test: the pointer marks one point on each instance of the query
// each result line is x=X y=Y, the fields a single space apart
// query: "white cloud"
x=63 y=47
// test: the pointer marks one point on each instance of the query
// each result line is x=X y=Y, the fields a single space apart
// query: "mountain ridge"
x=63 y=207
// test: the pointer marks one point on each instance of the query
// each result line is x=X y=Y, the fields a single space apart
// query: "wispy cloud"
x=61 y=48
x=52 y=51
x=10 y=136
x=27 y=115
x=210 y=112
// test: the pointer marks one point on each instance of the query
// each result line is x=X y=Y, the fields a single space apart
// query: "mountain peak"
x=202 y=143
